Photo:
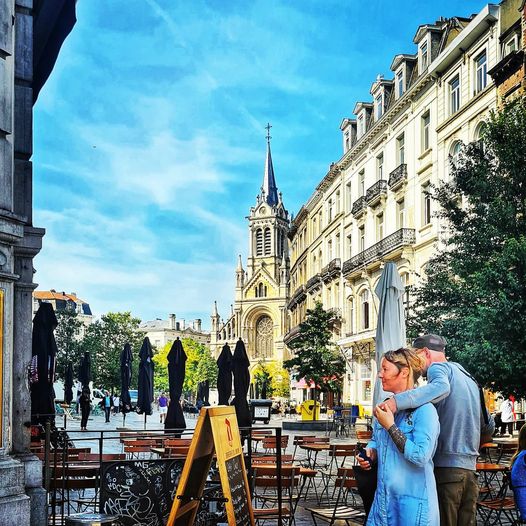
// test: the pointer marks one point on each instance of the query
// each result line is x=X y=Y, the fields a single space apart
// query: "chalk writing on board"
x=238 y=491
x=139 y=492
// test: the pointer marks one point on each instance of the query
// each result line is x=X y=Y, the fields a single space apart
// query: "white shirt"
x=506 y=411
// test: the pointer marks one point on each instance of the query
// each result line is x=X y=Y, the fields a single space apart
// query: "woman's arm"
x=421 y=447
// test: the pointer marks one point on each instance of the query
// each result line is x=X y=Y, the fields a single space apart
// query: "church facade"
x=259 y=313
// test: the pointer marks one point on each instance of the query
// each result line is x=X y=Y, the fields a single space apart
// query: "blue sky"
x=149 y=138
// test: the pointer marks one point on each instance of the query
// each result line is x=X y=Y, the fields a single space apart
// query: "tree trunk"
x=314 y=393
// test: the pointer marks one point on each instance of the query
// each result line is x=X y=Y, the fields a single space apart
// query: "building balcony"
x=299 y=295
x=358 y=207
x=291 y=335
x=336 y=315
x=314 y=284
x=331 y=271
x=376 y=193
x=399 y=239
x=398 y=177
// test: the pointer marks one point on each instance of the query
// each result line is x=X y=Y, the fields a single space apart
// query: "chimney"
x=74 y=294
x=197 y=325
x=182 y=325
x=171 y=319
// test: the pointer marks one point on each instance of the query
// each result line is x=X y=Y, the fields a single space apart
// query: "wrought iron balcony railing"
x=331 y=270
x=398 y=177
x=399 y=239
x=358 y=207
x=375 y=193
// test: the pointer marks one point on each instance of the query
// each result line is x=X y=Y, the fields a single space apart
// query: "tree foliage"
x=276 y=377
x=105 y=340
x=67 y=336
x=200 y=366
x=316 y=358
x=475 y=290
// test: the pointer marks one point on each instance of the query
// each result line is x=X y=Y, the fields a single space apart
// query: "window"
x=378 y=107
x=400 y=83
x=329 y=249
x=261 y=291
x=379 y=166
x=348 y=195
x=425 y=132
x=361 y=237
x=454 y=153
x=481 y=69
x=268 y=244
x=361 y=182
x=426 y=204
x=314 y=228
x=379 y=227
x=337 y=202
x=337 y=246
x=510 y=46
x=454 y=95
x=264 y=337
x=424 y=58
x=400 y=214
x=350 y=315
x=364 y=301
x=347 y=141
x=329 y=211
x=349 y=245
x=400 y=149
x=361 y=125
x=259 y=242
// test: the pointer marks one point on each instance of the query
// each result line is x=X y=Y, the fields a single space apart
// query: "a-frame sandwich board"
x=216 y=432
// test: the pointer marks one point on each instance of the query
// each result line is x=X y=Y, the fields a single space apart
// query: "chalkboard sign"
x=238 y=490
x=139 y=492
x=216 y=431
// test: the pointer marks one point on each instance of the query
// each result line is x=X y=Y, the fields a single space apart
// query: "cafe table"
x=313 y=450
x=492 y=477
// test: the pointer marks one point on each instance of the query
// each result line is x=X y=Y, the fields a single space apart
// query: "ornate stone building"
x=258 y=314
x=373 y=205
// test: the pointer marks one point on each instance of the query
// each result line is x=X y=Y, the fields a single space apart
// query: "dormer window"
x=424 y=57
x=378 y=107
x=400 y=88
x=361 y=125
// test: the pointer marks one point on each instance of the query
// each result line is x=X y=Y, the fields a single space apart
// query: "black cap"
x=431 y=341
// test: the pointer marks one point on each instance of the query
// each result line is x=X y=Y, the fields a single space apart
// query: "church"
x=259 y=312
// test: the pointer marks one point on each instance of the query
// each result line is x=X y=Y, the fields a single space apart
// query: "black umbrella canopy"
x=68 y=384
x=126 y=375
x=44 y=350
x=240 y=365
x=85 y=370
x=176 y=373
x=224 y=375
x=145 y=382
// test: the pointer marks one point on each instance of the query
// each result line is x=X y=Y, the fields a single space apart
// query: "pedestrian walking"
x=107 y=404
x=464 y=420
x=507 y=416
x=116 y=404
x=85 y=407
x=163 y=407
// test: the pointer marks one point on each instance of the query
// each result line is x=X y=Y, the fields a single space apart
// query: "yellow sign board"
x=216 y=431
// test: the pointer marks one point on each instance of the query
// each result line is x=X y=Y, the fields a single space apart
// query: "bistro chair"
x=501 y=509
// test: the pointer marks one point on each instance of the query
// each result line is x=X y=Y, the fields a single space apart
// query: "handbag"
x=367 y=480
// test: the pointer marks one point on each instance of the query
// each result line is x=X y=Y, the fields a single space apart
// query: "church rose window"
x=264 y=337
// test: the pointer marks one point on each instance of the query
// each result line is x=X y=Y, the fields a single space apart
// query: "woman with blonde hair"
x=403 y=445
x=518 y=473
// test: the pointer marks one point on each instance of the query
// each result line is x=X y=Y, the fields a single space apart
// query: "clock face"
x=262 y=210
x=261 y=412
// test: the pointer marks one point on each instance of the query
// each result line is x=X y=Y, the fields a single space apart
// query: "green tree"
x=475 y=290
x=67 y=336
x=276 y=377
x=105 y=340
x=316 y=358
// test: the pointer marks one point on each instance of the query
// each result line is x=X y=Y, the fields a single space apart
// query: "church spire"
x=269 y=190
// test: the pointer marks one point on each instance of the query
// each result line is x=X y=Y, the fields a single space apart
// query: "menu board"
x=139 y=492
x=216 y=432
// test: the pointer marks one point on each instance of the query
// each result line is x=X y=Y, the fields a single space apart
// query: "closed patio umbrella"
x=68 y=384
x=126 y=375
x=42 y=376
x=85 y=370
x=390 y=331
x=145 y=381
x=224 y=375
x=240 y=365
x=176 y=373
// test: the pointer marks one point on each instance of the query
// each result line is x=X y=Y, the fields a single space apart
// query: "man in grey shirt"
x=456 y=396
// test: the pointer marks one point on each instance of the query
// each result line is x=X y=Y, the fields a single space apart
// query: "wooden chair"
x=270 y=443
x=271 y=459
x=338 y=510
x=137 y=447
x=257 y=436
x=343 y=451
x=500 y=510
x=363 y=435
x=265 y=493
x=105 y=457
x=298 y=441
x=505 y=452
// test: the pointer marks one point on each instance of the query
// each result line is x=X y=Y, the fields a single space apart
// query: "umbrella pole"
x=145 y=420
x=123 y=419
